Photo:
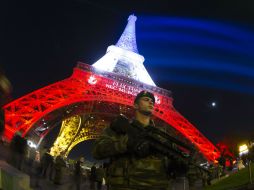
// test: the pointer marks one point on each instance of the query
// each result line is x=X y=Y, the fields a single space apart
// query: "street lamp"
x=244 y=149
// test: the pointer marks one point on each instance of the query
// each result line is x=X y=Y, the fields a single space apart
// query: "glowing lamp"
x=243 y=149
x=157 y=99
x=92 y=80
x=31 y=144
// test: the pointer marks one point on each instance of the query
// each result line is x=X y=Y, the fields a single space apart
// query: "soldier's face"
x=145 y=105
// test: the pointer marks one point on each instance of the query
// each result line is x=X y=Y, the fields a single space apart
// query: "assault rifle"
x=166 y=144
x=171 y=147
x=159 y=141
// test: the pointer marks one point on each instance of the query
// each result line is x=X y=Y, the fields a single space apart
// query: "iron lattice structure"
x=35 y=114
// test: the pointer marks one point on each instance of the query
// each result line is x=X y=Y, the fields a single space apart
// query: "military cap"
x=144 y=93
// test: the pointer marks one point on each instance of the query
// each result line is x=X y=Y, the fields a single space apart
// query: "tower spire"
x=127 y=40
x=123 y=58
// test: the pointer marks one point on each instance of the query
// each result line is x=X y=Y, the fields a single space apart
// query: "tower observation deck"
x=85 y=103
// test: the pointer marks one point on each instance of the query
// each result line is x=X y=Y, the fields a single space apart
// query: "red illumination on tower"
x=89 y=84
x=23 y=113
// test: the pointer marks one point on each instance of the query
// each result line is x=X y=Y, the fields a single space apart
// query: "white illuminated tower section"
x=123 y=58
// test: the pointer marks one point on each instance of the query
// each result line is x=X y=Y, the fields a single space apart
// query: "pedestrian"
x=222 y=163
x=59 y=165
x=99 y=173
x=47 y=165
x=133 y=163
x=211 y=173
x=31 y=152
x=37 y=172
x=92 y=177
x=18 y=149
x=78 y=172
x=240 y=164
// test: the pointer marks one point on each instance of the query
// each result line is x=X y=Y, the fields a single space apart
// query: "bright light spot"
x=157 y=99
x=213 y=104
x=243 y=149
x=92 y=80
x=31 y=144
x=41 y=129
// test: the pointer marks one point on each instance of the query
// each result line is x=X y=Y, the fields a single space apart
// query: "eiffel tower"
x=86 y=102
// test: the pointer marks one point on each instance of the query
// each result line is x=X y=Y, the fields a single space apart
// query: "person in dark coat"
x=78 y=172
x=92 y=177
x=47 y=165
x=18 y=149
x=99 y=177
x=59 y=165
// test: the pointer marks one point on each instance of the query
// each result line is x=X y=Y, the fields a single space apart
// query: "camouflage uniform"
x=127 y=171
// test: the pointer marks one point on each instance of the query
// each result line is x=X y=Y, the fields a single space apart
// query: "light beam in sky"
x=197 y=52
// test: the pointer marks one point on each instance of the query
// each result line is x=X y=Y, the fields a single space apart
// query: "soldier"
x=134 y=165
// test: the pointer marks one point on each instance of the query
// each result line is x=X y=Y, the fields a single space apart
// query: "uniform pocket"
x=147 y=166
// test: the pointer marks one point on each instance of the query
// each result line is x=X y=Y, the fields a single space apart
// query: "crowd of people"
x=39 y=164
x=60 y=171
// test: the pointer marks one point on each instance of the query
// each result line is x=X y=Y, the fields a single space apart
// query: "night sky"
x=202 y=51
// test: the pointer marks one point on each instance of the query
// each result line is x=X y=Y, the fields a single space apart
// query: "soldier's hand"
x=178 y=167
x=120 y=124
x=138 y=145
x=142 y=149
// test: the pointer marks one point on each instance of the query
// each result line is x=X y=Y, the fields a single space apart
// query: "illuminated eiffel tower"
x=123 y=58
x=86 y=102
